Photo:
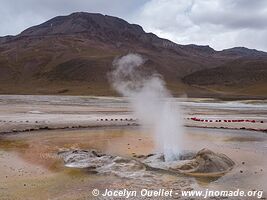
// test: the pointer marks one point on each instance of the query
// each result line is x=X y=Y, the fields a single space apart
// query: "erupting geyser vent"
x=151 y=102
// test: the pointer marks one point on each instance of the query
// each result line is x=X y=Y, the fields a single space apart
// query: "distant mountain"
x=73 y=54
x=242 y=51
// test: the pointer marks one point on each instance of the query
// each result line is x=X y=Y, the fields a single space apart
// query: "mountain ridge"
x=76 y=51
x=93 y=16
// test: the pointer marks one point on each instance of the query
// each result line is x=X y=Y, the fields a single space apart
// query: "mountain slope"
x=238 y=72
x=73 y=54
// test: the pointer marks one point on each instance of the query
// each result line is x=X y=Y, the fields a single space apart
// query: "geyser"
x=151 y=102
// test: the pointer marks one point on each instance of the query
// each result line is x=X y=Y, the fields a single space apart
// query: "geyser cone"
x=203 y=163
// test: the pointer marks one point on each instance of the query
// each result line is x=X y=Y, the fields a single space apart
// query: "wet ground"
x=31 y=169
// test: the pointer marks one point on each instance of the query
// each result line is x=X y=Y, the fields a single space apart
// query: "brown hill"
x=73 y=54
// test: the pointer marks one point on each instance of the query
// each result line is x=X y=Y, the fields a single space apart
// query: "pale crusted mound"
x=95 y=161
x=206 y=162
x=203 y=163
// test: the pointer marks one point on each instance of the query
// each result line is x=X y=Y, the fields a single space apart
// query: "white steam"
x=151 y=103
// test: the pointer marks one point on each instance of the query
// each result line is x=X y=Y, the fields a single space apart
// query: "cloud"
x=19 y=15
x=230 y=13
x=218 y=23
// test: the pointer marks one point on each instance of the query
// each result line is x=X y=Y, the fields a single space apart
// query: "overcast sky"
x=218 y=23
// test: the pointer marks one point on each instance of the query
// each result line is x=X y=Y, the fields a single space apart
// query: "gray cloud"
x=218 y=23
x=232 y=14
x=18 y=15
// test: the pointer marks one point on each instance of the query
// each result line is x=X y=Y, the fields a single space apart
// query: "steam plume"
x=150 y=101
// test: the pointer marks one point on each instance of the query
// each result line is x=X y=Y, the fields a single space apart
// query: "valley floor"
x=31 y=169
x=20 y=113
